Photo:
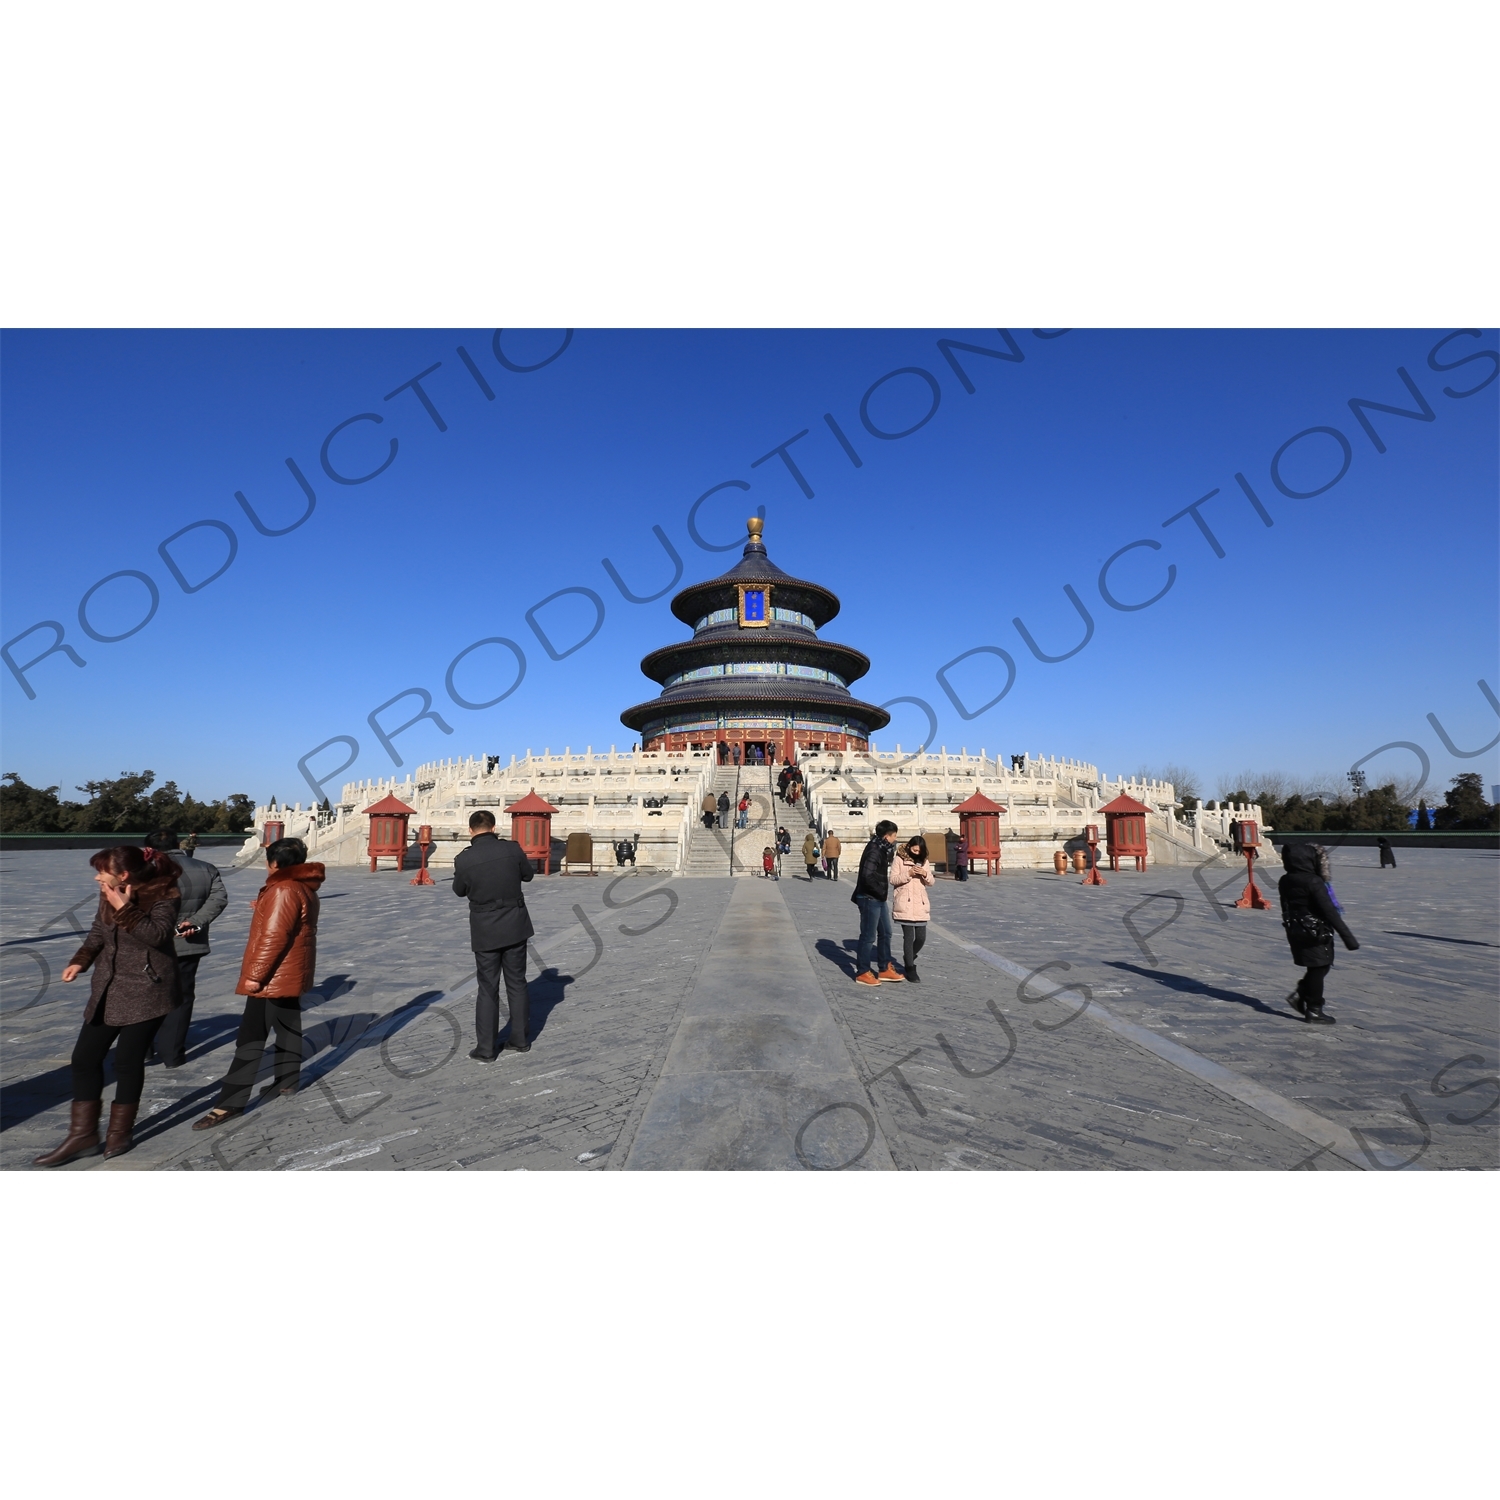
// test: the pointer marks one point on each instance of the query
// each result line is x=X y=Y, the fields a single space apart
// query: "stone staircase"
x=730 y=851
x=709 y=849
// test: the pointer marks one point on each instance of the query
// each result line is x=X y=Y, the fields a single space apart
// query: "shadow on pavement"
x=1189 y=986
x=840 y=955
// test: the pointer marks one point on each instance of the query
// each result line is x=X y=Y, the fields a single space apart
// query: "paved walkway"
x=714 y=1023
x=757 y=1076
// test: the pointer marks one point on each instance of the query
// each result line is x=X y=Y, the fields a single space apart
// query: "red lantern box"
x=1249 y=834
x=270 y=833
x=531 y=828
x=1125 y=824
x=388 y=829
x=979 y=823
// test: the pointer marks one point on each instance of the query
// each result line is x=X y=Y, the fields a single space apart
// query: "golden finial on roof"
x=756 y=525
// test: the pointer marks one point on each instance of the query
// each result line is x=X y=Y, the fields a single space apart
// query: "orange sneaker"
x=890 y=974
x=865 y=978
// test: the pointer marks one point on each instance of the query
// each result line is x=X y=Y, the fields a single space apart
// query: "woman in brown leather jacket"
x=280 y=960
x=131 y=949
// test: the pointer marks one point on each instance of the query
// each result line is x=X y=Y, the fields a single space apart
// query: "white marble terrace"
x=652 y=797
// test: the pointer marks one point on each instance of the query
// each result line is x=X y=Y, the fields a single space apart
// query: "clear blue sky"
x=1310 y=643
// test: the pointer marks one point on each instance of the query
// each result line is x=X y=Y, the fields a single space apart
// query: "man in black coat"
x=1310 y=919
x=491 y=872
x=203 y=899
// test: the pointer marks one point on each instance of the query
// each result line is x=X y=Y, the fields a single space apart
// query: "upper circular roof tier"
x=723 y=648
x=754 y=566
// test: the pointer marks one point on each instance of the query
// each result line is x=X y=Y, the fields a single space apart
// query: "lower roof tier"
x=756 y=705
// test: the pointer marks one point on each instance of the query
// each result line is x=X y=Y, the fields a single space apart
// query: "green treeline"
x=1381 y=810
x=125 y=805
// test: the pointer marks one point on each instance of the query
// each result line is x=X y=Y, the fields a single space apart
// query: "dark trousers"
x=913 y=937
x=91 y=1048
x=833 y=868
x=490 y=963
x=171 y=1040
x=1310 y=986
x=261 y=1015
x=874 y=934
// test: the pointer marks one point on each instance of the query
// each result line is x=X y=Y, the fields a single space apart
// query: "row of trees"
x=125 y=805
x=1382 y=809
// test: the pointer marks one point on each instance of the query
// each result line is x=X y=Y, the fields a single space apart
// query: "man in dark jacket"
x=1310 y=919
x=871 y=892
x=491 y=872
x=203 y=899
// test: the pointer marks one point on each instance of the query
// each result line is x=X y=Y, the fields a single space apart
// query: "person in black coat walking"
x=1310 y=919
x=491 y=872
x=1387 y=854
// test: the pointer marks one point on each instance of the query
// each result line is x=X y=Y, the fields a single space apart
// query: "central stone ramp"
x=757 y=1077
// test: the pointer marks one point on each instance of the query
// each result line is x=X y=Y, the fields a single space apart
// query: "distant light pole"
x=1357 y=781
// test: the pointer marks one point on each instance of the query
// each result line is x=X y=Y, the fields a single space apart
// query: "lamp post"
x=1093 y=877
x=1251 y=897
x=424 y=842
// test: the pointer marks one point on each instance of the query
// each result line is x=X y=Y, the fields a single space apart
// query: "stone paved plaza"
x=683 y=1023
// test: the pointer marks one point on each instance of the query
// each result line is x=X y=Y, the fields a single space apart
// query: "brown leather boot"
x=121 y=1122
x=83 y=1135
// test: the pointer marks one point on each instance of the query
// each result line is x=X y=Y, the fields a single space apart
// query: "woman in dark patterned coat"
x=1310 y=918
x=132 y=950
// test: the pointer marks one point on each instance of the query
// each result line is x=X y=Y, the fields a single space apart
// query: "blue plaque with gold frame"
x=755 y=604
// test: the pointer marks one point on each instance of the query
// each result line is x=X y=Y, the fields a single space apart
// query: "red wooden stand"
x=1251 y=896
x=1093 y=877
x=1248 y=841
x=424 y=843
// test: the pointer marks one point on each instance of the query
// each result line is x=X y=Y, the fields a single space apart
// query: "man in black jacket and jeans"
x=871 y=892
x=491 y=872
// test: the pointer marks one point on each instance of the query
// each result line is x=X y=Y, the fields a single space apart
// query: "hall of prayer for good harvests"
x=755 y=673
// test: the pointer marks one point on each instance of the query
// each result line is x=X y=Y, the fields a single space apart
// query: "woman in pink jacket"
x=911 y=874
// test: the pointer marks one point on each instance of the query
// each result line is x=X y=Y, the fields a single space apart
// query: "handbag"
x=1311 y=939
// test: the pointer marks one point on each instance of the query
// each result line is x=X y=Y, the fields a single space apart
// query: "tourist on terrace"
x=768 y=862
x=744 y=811
x=280 y=962
x=961 y=859
x=1387 y=856
x=871 y=892
x=491 y=872
x=724 y=805
x=1310 y=919
x=911 y=874
x=203 y=899
x=709 y=809
x=831 y=850
x=130 y=947
x=810 y=854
